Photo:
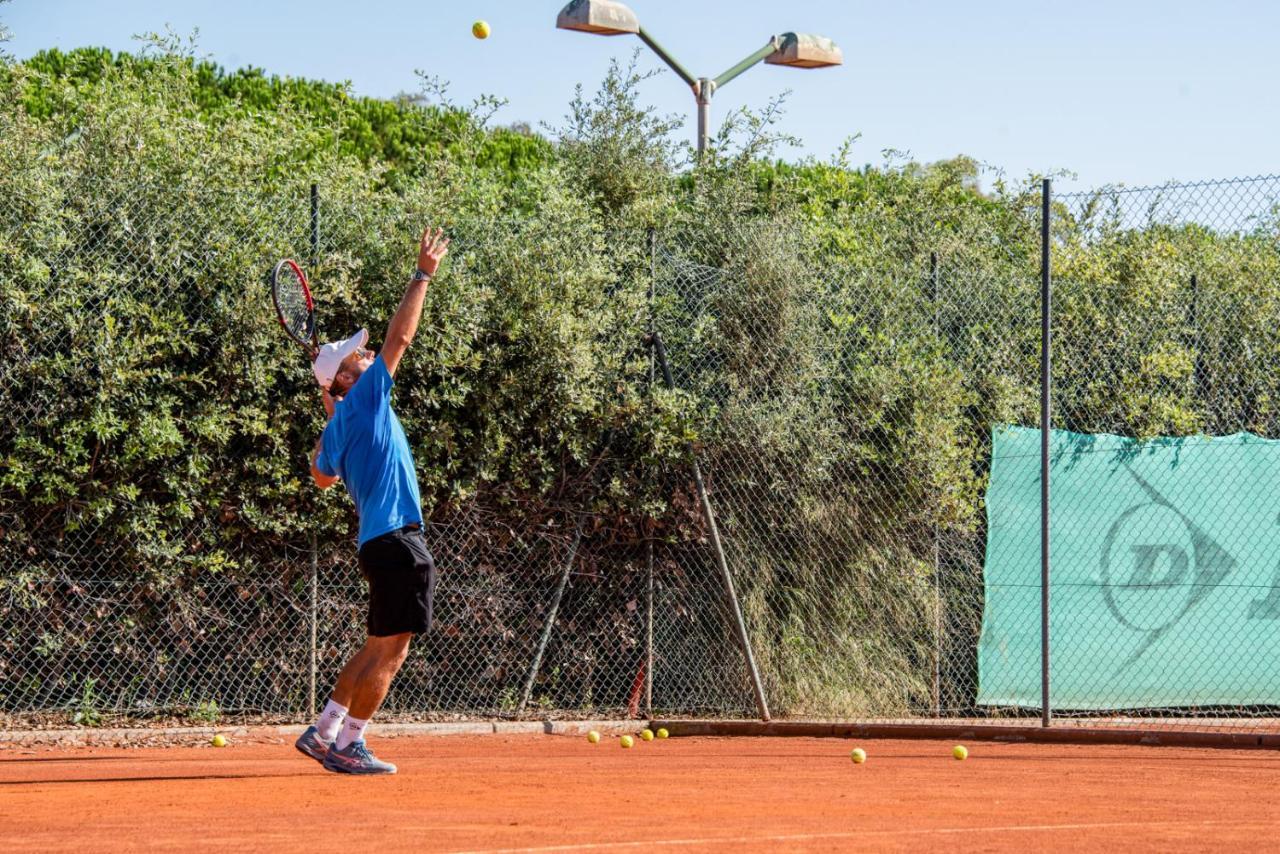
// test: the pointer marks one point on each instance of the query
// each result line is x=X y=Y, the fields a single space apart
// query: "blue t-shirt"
x=365 y=445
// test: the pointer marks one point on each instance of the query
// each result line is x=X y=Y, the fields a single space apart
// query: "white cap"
x=331 y=355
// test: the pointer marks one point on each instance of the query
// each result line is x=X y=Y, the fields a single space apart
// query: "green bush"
x=844 y=341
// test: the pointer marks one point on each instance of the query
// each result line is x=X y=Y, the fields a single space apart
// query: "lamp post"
x=611 y=18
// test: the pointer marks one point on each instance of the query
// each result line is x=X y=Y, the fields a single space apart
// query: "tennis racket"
x=294 y=307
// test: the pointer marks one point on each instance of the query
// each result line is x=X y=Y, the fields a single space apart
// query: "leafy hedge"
x=844 y=340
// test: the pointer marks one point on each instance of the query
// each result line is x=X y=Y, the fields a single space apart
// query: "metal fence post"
x=315 y=224
x=726 y=577
x=1046 y=316
x=550 y=623
x=937 y=557
x=312 y=609
x=315 y=560
x=1197 y=365
x=648 y=538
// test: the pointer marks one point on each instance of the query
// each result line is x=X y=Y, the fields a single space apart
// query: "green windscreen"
x=1164 y=577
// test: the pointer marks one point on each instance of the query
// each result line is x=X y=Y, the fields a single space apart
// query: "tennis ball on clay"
x=960 y=751
x=593 y=737
x=646 y=734
x=662 y=732
x=480 y=29
x=627 y=741
x=858 y=756
x=218 y=741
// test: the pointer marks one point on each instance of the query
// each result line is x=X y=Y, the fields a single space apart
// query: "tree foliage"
x=401 y=135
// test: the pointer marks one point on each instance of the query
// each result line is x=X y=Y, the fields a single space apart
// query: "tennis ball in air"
x=218 y=741
x=593 y=737
x=662 y=732
x=627 y=741
x=960 y=751
x=480 y=29
x=646 y=734
x=858 y=756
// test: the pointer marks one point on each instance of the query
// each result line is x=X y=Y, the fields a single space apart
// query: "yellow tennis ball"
x=646 y=734
x=960 y=751
x=662 y=732
x=593 y=737
x=858 y=756
x=219 y=741
x=627 y=741
x=480 y=29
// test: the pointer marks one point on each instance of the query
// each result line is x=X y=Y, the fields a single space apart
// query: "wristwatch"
x=419 y=275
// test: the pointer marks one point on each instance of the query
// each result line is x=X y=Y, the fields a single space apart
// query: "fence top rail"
x=1122 y=190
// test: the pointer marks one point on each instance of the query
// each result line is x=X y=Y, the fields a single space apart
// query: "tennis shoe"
x=355 y=758
x=311 y=744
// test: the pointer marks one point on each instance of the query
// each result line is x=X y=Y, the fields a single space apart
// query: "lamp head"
x=602 y=17
x=804 y=50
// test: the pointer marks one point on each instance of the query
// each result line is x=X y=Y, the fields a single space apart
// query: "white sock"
x=352 y=730
x=330 y=720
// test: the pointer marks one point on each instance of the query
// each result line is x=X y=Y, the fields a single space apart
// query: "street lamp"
x=611 y=18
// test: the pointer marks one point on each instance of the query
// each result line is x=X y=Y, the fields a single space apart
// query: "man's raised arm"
x=404 y=325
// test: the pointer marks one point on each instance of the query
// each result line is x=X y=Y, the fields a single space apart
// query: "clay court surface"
x=559 y=793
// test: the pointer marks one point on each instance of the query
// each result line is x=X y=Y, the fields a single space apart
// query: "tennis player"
x=364 y=446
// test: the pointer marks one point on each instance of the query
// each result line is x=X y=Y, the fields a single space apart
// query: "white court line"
x=861 y=834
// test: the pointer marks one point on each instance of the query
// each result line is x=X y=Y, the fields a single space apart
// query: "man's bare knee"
x=389 y=649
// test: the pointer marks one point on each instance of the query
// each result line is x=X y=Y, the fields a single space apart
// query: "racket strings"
x=292 y=300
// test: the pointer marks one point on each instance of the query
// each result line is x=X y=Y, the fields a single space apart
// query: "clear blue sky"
x=1126 y=90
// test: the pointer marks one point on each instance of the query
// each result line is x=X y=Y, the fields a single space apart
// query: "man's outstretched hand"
x=432 y=249
x=404 y=325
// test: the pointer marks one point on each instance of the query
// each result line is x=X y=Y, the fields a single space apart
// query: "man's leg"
x=380 y=661
x=320 y=736
x=344 y=690
x=401 y=576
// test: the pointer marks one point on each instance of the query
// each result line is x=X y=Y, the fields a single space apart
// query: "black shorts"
x=402 y=582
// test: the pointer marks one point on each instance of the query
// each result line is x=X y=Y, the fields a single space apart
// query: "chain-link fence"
x=882 y=510
x=164 y=552
x=854 y=425
x=1163 y=558
x=846 y=443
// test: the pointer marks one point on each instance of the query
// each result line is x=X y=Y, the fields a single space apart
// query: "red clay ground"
x=556 y=793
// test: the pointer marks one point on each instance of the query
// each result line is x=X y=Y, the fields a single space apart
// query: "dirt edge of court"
x=198 y=735
x=279 y=733
x=1029 y=733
